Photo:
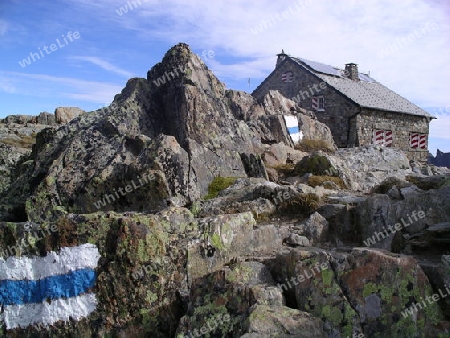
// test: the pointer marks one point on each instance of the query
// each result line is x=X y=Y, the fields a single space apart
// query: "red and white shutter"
x=423 y=141
x=414 y=141
x=378 y=137
x=388 y=138
x=315 y=103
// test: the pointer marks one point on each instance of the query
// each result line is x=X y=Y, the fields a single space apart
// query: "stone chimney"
x=281 y=57
x=351 y=71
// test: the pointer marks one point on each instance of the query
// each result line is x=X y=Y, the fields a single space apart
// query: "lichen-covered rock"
x=362 y=168
x=363 y=291
x=265 y=321
x=142 y=267
x=254 y=166
x=297 y=240
x=242 y=300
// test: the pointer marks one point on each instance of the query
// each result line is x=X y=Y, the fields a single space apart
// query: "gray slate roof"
x=367 y=92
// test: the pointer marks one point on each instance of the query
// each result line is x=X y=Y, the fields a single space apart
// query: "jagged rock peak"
x=180 y=66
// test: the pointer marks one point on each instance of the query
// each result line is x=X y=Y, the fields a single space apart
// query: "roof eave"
x=399 y=112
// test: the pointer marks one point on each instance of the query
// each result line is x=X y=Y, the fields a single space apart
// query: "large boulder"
x=243 y=301
x=267 y=118
x=362 y=291
x=361 y=168
x=312 y=129
x=44 y=118
x=66 y=114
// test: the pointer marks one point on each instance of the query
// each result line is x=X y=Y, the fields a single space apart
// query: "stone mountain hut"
x=358 y=109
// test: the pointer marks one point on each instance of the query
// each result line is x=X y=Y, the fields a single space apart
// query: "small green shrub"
x=218 y=184
x=316 y=164
x=300 y=204
x=314 y=181
x=314 y=145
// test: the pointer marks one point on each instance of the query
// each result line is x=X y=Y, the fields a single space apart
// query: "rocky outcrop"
x=441 y=160
x=17 y=137
x=183 y=128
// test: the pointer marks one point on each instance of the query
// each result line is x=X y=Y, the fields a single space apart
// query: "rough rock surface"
x=8 y=159
x=67 y=114
x=183 y=129
x=312 y=129
x=184 y=253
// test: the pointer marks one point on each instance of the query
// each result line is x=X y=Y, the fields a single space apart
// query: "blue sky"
x=94 y=47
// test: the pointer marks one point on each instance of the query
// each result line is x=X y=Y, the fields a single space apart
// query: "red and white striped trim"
x=418 y=141
x=388 y=138
x=378 y=137
x=382 y=137
x=423 y=141
x=414 y=140
x=315 y=103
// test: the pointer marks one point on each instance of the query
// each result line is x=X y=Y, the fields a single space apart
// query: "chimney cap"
x=351 y=64
x=282 y=53
x=351 y=70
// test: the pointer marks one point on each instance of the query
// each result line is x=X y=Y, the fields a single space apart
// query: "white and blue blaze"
x=44 y=290
x=292 y=126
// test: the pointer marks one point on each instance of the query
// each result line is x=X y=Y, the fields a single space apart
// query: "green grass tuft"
x=314 y=145
x=218 y=184
x=314 y=181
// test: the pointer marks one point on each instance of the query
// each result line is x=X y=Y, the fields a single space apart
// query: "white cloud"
x=42 y=85
x=328 y=31
x=103 y=64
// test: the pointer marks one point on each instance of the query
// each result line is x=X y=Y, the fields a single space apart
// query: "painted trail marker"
x=292 y=126
x=44 y=290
